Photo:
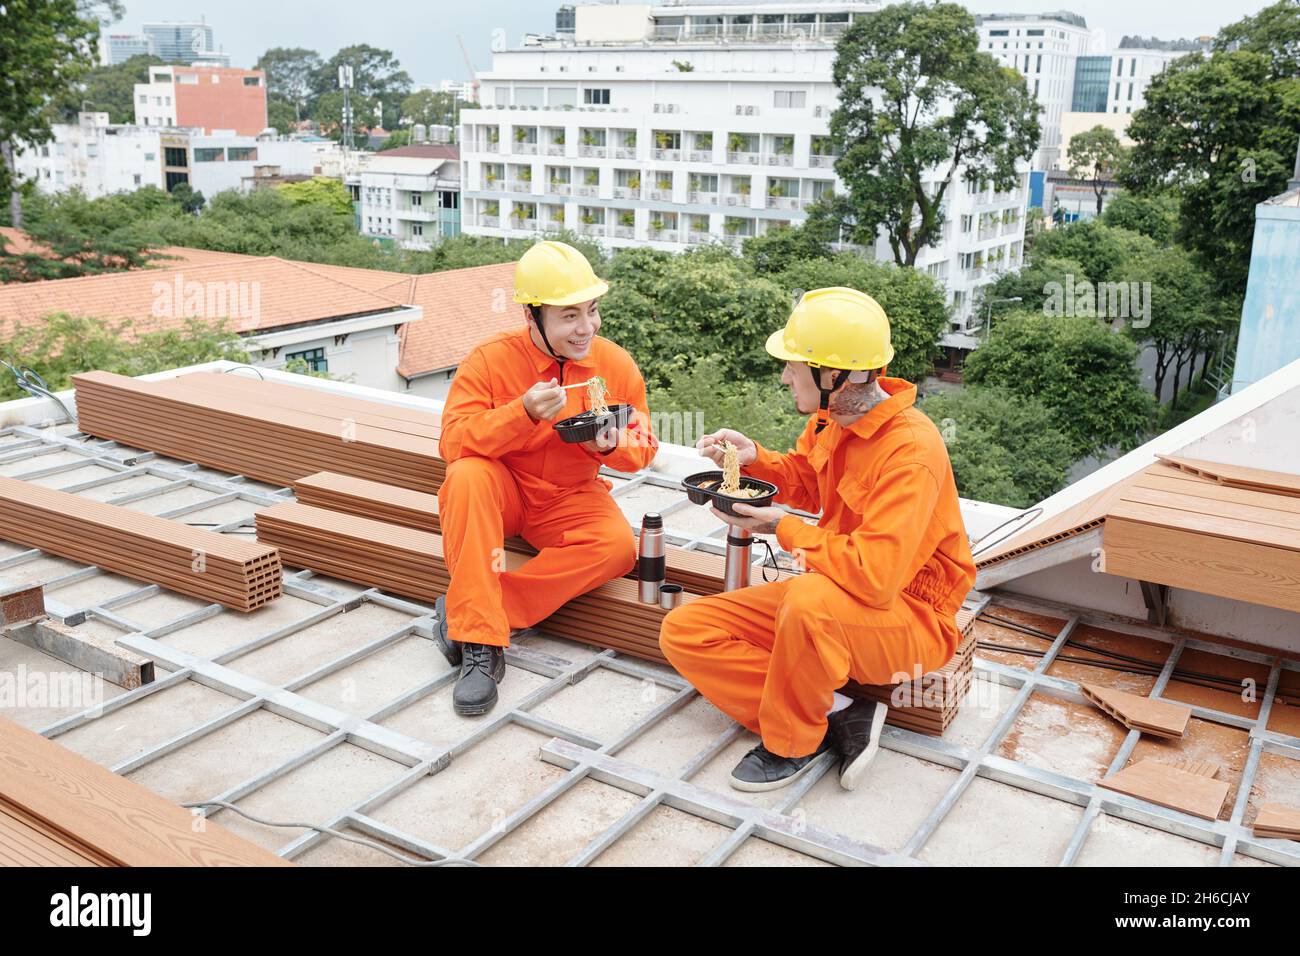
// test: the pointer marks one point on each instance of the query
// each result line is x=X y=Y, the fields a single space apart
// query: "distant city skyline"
x=423 y=36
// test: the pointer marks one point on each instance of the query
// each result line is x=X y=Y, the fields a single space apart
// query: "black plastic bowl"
x=585 y=426
x=700 y=488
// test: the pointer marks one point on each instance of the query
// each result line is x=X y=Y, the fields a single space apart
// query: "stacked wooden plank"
x=265 y=430
x=411 y=563
x=59 y=809
x=1278 y=822
x=1159 y=718
x=239 y=574
x=928 y=705
x=698 y=572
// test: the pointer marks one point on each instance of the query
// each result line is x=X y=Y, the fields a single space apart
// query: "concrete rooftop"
x=331 y=706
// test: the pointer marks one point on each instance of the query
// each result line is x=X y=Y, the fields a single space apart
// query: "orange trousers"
x=582 y=538
x=772 y=656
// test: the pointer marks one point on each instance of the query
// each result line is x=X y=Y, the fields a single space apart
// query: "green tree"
x=46 y=47
x=430 y=107
x=328 y=114
x=1032 y=284
x=1221 y=130
x=281 y=115
x=1004 y=446
x=1083 y=372
x=319 y=189
x=290 y=74
x=1096 y=155
x=394 y=140
x=782 y=245
x=915 y=303
x=1185 y=312
x=107 y=89
x=187 y=197
x=699 y=387
x=376 y=75
x=1154 y=215
x=916 y=94
x=63 y=345
x=1100 y=249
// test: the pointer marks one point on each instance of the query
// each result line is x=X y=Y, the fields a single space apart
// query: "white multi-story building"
x=1045 y=49
x=413 y=201
x=96 y=157
x=689 y=123
x=221 y=161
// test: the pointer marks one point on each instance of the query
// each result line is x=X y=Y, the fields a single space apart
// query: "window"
x=175 y=156
x=448 y=199
x=252 y=81
x=1133 y=67
x=137 y=179
x=417 y=229
x=559 y=97
x=1033 y=33
x=595 y=97
x=1038 y=65
x=1130 y=91
x=315 y=359
x=789 y=99
x=528 y=96
x=175 y=179
x=144 y=98
x=167 y=101
x=502 y=96
x=417 y=199
x=150 y=157
x=1026 y=69
x=999 y=33
x=162 y=77
x=237 y=154
x=214 y=155
x=92 y=150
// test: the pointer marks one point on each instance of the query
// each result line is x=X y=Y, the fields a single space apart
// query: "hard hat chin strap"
x=536 y=312
x=823 y=410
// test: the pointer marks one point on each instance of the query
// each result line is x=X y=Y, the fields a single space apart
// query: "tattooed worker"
x=888 y=562
x=509 y=473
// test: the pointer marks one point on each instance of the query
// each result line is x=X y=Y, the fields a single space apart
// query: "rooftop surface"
x=331 y=705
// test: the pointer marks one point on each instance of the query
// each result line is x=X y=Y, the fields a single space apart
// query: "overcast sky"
x=422 y=33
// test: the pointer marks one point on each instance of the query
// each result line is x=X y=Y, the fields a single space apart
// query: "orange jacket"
x=890 y=520
x=484 y=413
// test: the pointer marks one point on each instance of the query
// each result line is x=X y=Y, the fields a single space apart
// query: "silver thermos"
x=736 y=574
x=651 y=564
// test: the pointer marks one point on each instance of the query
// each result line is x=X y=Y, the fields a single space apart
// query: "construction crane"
x=473 y=77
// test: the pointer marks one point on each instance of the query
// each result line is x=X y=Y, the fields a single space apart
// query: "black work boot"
x=854 y=731
x=450 y=649
x=481 y=668
x=760 y=769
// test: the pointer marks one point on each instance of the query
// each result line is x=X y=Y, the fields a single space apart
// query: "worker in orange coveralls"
x=888 y=562
x=509 y=473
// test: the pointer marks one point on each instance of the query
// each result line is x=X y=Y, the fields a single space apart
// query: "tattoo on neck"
x=858 y=400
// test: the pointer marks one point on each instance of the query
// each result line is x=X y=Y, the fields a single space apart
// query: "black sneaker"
x=855 y=734
x=481 y=668
x=760 y=769
x=450 y=649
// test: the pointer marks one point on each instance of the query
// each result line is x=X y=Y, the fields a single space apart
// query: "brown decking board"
x=58 y=808
x=242 y=575
x=1170 y=787
x=1278 y=821
x=1240 y=476
x=1156 y=717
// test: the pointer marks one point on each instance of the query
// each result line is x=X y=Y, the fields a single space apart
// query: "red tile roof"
x=462 y=307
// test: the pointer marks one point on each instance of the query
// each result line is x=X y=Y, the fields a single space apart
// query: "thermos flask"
x=651 y=565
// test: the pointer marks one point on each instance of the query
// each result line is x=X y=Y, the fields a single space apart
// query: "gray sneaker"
x=760 y=769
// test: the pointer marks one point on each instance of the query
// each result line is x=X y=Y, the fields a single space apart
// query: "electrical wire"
x=448 y=861
x=236 y=368
x=975 y=548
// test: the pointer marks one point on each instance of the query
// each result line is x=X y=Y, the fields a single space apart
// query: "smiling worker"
x=509 y=473
x=888 y=562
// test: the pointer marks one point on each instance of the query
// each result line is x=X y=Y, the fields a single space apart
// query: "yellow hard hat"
x=835 y=328
x=555 y=273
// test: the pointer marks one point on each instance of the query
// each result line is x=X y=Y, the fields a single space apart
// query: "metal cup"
x=670 y=596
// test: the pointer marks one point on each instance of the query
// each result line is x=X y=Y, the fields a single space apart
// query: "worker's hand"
x=606 y=440
x=710 y=446
x=757 y=520
x=544 y=400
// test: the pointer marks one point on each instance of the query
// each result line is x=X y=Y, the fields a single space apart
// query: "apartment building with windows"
x=1116 y=82
x=203 y=97
x=1045 y=49
x=689 y=123
x=411 y=200
x=96 y=157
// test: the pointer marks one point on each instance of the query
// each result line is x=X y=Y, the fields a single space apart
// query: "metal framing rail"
x=581 y=756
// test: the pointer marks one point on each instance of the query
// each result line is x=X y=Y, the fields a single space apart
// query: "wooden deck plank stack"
x=239 y=574
x=238 y=426
x=59 y=809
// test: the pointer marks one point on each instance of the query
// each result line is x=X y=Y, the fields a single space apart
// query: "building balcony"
x=826 y=161
x=596 y=152
x=708 y=199
x=416 y=213
x=624 y=232
x=784 y=202
x=744 y=159
x=736 y=199
x=491 y=222
x=517 y=222
x=585 y=190
x=625 y=152
x=701 y=156
x=664 y=235
x=780 y=159
x=627 y=192
x=591 y=229
x=558 y=189
x=526 y=149
x=671 y=155
x=498 y=185
x=489 y=147
x=519 y=185
x=661 y=195
x=697 y=237
x=988 y=232
x=555 y=149
x=1012 y=227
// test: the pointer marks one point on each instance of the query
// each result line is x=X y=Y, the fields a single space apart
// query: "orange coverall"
x=888 y=563
x=508 y=475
